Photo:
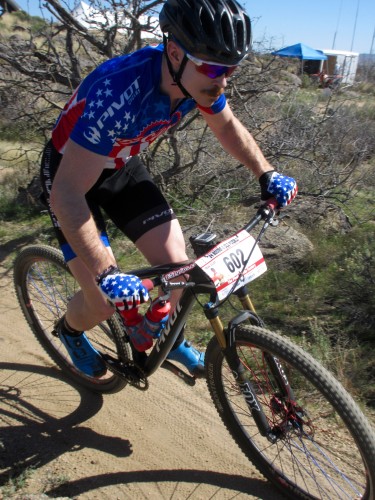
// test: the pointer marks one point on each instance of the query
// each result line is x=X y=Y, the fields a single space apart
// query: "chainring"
x=128 y=371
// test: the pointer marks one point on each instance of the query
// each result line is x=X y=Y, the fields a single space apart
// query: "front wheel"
x=325 y=447
x=44 y=286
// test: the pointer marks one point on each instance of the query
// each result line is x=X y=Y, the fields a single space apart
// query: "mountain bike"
x=289 y=415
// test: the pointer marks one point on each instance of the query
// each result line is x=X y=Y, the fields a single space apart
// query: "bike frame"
x=198 y=282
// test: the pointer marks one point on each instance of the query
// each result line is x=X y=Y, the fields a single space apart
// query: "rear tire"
x=44 y=286
x=325 y=448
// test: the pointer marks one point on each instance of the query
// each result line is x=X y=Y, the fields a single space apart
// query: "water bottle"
x=133 y=322
x=156 y=317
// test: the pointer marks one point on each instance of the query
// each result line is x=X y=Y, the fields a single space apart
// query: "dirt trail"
x=60 y=441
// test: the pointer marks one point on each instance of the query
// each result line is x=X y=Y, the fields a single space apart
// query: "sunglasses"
x=210 y=69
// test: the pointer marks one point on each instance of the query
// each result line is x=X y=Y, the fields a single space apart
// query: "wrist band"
x=103 y=274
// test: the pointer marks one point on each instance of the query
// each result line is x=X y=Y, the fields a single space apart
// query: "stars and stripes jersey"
x=118 y=109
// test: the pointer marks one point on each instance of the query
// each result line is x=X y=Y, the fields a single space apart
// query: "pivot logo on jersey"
x=132 y=91
x=126 y=97
x=92 y=135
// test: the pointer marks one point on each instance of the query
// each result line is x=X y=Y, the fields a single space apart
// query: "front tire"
x=44 y=286
x=325 y=448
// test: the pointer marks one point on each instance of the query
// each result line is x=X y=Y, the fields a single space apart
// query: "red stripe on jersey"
x=209 y=111
x=67 y=120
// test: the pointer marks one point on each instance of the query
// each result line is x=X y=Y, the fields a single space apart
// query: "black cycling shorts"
x=128 y=196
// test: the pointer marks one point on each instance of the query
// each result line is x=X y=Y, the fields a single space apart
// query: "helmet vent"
x=248 y=32
x=207 y=23
x=240 y=37
x=211 y=6
x=226 y=30
x=233 y=7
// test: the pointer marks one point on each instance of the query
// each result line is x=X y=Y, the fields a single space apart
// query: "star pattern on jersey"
x=283 y=188
x=124 y=125
x=102 y=98
x=118 y=109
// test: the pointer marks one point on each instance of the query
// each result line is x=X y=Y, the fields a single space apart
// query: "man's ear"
x=175 y=53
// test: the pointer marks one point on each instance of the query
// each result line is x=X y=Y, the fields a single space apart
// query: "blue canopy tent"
x=301 y=51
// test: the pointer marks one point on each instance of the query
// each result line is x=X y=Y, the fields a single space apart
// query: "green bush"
x=353 y=284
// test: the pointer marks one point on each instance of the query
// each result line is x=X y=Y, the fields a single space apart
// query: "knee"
x=163 y=244
x=177 y=250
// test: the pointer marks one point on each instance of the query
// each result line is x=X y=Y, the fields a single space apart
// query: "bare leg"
x=161 y=245
x=164 y=244
x=88 y=307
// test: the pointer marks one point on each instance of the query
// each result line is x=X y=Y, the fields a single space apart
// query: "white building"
x=340 y=62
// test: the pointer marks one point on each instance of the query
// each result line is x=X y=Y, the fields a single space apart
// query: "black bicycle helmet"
x=217 y=29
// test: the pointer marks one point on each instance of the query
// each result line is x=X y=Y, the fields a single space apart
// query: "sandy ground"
x=60 y=441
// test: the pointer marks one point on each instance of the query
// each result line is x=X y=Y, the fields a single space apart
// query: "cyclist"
x=91 y=162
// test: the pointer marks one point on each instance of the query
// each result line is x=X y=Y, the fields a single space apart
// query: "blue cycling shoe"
x=84 y=356
x=190 y=357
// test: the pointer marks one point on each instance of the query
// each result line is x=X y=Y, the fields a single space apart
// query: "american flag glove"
x=274 y=185
x=124 y=291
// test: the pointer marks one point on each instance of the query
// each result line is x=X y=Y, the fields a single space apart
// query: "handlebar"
x=266 y=212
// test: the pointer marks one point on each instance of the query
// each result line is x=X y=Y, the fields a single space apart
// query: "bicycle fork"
x=227 y=343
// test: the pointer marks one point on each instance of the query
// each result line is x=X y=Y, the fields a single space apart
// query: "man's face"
x=204 y=90
x=204 y=80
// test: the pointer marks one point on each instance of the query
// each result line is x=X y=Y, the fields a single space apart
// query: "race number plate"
x=226 y=263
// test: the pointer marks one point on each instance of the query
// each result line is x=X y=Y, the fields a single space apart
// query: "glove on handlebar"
x=124 y=291
x=274 y=185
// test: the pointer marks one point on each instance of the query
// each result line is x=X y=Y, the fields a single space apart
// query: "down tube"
x=171 y=332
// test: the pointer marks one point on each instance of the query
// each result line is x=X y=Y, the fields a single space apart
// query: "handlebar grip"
x=148 y=283
x=272 y=203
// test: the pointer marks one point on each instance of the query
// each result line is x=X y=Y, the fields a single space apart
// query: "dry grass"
x=10 y=23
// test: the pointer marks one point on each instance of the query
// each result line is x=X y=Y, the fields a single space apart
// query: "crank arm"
x=129 y=371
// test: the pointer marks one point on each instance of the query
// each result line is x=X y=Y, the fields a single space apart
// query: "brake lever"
x=270 y=212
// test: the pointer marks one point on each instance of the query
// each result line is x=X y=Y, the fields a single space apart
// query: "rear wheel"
x=44 y=286
x=325 y=447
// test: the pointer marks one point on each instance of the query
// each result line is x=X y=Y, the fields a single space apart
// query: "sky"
x=321 y=24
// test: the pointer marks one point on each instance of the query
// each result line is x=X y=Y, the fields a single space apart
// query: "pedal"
x=188 y=379
x=54 y=330
x=129 y=371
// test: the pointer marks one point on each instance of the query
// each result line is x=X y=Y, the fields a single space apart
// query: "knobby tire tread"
x=359 y=427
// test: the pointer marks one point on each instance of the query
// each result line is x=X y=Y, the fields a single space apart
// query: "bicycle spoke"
x=301 y=451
